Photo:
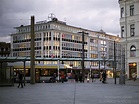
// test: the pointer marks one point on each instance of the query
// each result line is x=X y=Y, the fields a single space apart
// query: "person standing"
x=62 y=77
x=20 y=77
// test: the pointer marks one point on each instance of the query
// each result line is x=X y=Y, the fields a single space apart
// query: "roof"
x=17 y=59
x=50 y=66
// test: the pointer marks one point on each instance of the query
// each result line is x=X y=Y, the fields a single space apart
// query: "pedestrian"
x=104 y=77
x=88 y=77
x=92 y=76
x=20 y=80
x=62 y=77
x=134 y=76
x=54 y=78
x=76 y=77
x=80 y=77
x=100 y=76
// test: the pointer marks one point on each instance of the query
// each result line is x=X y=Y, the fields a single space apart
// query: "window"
x=93 y=55
x=122 y=31
x=44 y=72
x=132 y=51
x=122 y=12
x=132 y=30
x=131 y=10
x=91 y=40
x=103 y=42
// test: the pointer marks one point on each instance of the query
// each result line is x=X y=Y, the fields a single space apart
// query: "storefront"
x=42 y=72
x=132 y=69
x=6 y=75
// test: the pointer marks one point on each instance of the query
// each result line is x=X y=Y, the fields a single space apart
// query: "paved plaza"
x=72 y=93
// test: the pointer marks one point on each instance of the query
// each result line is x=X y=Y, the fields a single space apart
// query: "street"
x=72 y=93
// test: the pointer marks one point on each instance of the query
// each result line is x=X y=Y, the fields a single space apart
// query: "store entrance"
x=37 y=75
x=132 y=69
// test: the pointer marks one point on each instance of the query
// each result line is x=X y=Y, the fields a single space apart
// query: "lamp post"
x=58 y=70
x=82 y=62
x=103 y=52
x=122 y=72
x=126 y=42
x=24 y=71
x=114 y=70
x=32 y=52
x=100 y=56
x=90 y=70
x=104 y=59
x=98 y=53
x=99 y=66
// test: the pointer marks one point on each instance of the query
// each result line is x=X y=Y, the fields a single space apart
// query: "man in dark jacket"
x=20 y=77
x=104 y=75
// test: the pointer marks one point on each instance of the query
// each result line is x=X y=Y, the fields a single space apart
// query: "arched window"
x=132 y=51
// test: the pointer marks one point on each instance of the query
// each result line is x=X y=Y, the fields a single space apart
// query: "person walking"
x=80 y=77
x=20 y=78
x=104 y=77
x=134 y=76
x=54 y=77
x=100 y=76
x=76 y=77
x=88 y=77
x=92 y=76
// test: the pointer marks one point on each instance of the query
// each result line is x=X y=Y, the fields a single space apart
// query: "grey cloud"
x=90 y=14
x=17 y=6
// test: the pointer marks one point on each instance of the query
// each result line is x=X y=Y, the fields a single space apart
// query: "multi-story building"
x=56 y=39
x=5 y=49
x=129 y=23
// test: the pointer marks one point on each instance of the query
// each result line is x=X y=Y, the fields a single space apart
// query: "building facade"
x=5 y=49
x=129 y=22
x=56 y=39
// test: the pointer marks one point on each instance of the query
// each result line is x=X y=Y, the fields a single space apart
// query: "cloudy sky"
x=89 y=14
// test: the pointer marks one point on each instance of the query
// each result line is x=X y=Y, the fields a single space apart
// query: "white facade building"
x=129 y=23
x=57 y=39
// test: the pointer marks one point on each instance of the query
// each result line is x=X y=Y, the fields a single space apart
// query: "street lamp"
x=104 y=59
x=58 y=70
x=32 y=52
x=90 y=70
x=126 y=41
x=98 y=52
x=114 y=70
x=122 y=72
x=82 y=62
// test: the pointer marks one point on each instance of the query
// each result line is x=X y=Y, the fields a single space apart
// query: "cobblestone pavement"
x=72 y=93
